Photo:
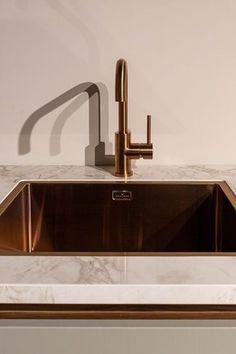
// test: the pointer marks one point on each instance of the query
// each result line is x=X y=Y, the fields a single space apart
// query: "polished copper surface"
x=125 y=150
x=136 y=218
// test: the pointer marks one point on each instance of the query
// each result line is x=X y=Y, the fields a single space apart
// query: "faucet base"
x=128 y=174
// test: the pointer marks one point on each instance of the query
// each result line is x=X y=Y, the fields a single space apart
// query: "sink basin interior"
x=109 y=217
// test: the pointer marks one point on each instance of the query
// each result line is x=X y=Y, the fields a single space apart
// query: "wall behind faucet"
x=182 y=69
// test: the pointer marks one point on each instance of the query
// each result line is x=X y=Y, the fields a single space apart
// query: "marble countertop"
x=116 y=280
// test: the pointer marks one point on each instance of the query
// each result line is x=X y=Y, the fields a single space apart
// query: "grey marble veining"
x=73 y=279
x=61 y=270
x=117 y=270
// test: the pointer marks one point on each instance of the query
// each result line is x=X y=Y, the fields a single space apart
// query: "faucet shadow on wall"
x=98 y=102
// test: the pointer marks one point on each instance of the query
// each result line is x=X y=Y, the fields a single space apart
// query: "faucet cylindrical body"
x=125 y=151
x=123 y=117
x=122 y=162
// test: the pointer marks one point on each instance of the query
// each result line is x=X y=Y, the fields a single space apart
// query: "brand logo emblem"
x=122 y=195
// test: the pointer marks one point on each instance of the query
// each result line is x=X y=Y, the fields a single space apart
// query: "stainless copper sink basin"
x=107 y=217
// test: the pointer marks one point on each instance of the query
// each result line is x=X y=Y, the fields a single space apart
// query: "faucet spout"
x=121 y=81
x=121 y=94
x=125 y=150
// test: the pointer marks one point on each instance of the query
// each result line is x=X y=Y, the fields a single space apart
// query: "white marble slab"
x=111 y=280
x=118 y=280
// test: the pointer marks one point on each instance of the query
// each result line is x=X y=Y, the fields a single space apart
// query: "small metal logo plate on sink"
x=122 y=195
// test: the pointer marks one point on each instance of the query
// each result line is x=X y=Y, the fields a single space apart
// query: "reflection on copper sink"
x=116 y=217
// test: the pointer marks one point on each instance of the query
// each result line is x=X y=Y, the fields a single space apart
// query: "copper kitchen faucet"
x=125 y=150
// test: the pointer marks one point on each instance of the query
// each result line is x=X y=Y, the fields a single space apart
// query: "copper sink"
x=144 y=218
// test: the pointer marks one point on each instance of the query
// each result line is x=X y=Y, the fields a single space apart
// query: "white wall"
x=182 y=69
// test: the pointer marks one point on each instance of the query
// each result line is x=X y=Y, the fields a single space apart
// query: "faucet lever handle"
x=148 y=129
